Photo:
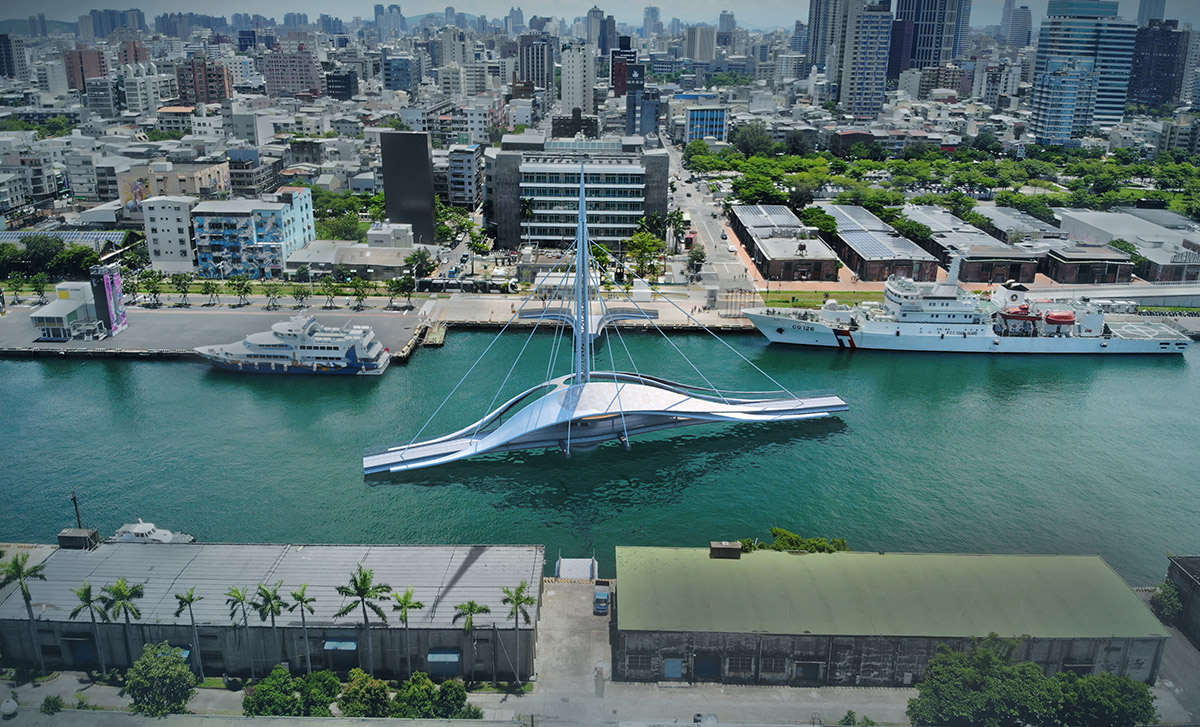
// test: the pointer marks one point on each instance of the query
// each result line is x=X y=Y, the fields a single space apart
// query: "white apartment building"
x=578 y=78
x=169 y=235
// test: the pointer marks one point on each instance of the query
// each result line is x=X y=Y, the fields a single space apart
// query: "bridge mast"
x=582 y=342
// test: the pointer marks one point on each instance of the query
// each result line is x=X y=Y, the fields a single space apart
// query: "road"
x=724 y=268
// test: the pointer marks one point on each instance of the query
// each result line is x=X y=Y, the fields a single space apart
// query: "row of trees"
x=983 y=686
x=153 y=283
x=46 y=254
x=119 y=601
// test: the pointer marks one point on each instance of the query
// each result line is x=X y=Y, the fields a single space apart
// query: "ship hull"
x=261 y=367
x=785 y=330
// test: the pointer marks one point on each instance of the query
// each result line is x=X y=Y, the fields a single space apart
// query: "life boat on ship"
x=1061 y=318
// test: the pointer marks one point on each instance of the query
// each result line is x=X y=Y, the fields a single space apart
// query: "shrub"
x=1166 y=602
x=160 y=681
x=52 y=704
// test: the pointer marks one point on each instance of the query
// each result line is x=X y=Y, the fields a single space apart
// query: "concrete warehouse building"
x=441 y=576
x=868 y=619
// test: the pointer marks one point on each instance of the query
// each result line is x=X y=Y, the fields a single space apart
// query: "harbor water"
x=938 y=453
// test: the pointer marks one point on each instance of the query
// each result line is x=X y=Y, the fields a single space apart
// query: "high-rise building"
x=291 y=73
x=860 y=43
x=84 y=63
x=402 y=73
x=935 y=27
x=14 y=63
x=37 y=25
x=799 y=40
x=701 y=43
x=407 y=158
x=642 y=105
x=578 y=78
x=608 y=35
x=1006 y=19
x=727 y=22
x=900 y=54
x=389 y=22
x=595 y=22
x=1064 y=99
x=295 y=20
x=651 y=21
x=820 y=30
x=963 y=32
x=1159 y=63
x=535 y=61
x=1020 y=30
x=203 y=81
x=1151 y=10
x=1087 y=30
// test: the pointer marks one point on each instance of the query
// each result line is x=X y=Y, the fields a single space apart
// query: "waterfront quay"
x=169 y=332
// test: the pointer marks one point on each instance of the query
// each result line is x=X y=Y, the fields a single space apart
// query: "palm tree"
x=363 y=591
x=268 y=602
x=518 y=598
x=91 y=603
x=303 y=601
x=405 y=603
x=526 y=214
x=19 y=571
x=238 y=599
x=469 y=611
x=119 y=600
x=186 y=600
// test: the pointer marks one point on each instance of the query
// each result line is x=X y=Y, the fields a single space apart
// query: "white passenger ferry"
x=303 y=346
x=943 y=317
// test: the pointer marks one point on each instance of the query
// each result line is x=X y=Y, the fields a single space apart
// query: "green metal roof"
x=868 y=594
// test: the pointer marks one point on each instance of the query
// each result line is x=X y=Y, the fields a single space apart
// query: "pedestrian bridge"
x=596 y=323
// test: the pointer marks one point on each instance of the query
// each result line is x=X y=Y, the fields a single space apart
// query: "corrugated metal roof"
x=870 y=594
x=442 y=576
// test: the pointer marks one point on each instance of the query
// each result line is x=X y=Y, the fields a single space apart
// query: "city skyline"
x=766 y=14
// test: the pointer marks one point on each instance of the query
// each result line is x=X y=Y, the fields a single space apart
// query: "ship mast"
x=582 y=343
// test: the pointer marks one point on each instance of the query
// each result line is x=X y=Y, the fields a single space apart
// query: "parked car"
x=724 y=236
x=453 y=272
x=600 y=602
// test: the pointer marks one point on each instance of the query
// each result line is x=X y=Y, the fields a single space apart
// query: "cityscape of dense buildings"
x=868 y=141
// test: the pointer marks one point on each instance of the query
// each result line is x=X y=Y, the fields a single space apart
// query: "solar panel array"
x=94 y=240
x=766 y=215
x=868 y=236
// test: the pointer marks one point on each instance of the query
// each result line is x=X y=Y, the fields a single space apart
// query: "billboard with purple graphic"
x=109 y=298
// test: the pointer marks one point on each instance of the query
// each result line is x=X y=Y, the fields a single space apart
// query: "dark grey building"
x=1184 y=572
x=440 y=576
x=1160 y=55
x=868 y=619
x=408 y=181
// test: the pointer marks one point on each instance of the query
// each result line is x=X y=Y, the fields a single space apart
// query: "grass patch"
x=817 y=298
x=502 y=688
x=18 y=676
x=233 y=684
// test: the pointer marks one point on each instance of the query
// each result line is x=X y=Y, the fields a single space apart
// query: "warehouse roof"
x=870 y=594
x=442 y=576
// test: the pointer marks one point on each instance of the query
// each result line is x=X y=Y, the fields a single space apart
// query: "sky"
x=754 y=14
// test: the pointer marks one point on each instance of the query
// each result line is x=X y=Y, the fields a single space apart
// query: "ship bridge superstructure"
x=588 y=407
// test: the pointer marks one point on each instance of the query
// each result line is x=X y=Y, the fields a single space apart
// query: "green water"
x=938 y=453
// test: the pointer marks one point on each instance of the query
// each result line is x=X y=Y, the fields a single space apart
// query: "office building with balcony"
x=624 y=182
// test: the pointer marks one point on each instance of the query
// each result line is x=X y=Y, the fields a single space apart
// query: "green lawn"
x=817 y=298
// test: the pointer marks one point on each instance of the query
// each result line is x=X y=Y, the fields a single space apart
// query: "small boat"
x=303 y=346
x=144 y=532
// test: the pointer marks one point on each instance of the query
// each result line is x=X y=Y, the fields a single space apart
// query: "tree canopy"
x=982 y=687
x=160 y=682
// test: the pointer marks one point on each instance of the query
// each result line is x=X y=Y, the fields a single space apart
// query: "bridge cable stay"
x=709 y=331
x=613 y=363
x=517 y=360
x=496 y=338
